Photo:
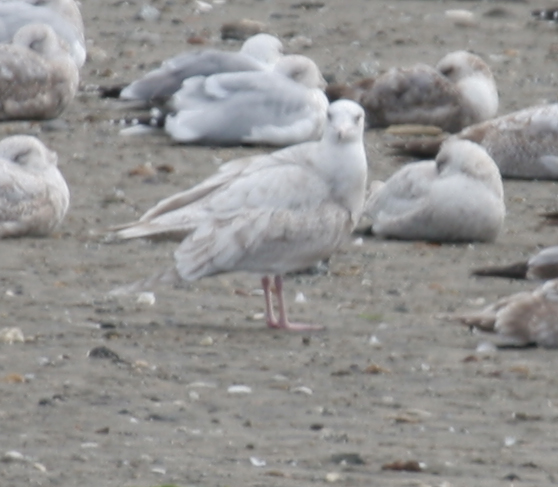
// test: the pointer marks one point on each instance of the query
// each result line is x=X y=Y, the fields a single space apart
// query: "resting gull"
x=34 y=197
x=62 y=15
x=268 y=214
x=519 y=320
x=458 y=92
x=258 y=53
x=524 y=144
x=541 y=266
x=457 y=197
x=38 y=78
x=283 y=107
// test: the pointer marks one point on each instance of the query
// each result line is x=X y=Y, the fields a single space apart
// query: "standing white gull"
x=38 y=78
x=258 y=53
x=269 y=214
x=34 y=196
x=519 y=320
x=457 y=197
x=62 y=15
x=458 y=92
x=523 y=144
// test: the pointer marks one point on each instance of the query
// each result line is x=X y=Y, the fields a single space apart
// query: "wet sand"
x=386 y=381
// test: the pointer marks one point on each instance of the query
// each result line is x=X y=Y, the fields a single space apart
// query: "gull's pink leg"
x=283 y=322
x=269 y=315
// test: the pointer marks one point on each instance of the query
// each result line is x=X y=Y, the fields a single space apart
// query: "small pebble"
x=257 y=462
x=462 y=18
x=206 y=341
x=146 y=298
x=239 y=389
x=13 y=456
x=302 y=390
x=333 y=477
x=300 y=298
x=11 y=336
x=149 y=13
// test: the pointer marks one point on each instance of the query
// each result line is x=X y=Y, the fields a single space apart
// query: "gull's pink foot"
x=282 y=323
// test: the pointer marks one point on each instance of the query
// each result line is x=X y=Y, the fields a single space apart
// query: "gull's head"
x=460 y=64
x=265 y=48
x=27 y=151
x=40 y=38
x=345 y=121
x=470 y=159
x=302 y=70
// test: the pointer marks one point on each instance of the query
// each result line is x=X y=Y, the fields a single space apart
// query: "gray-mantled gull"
x=62 y=15
x=38 y=77
x=258 y=53
x=524 y=144
x=268 y=214
x=519 y=320
x=283 y=107
x=457 y=197
x=540 y=266
x=34 y=196
x=458 y=92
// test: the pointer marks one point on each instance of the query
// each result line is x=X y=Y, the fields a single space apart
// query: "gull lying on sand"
x=258 y=53
x=541 y=266
x=524 y=144
x=458 y=92
x=282 y=107
x=269 y=214
x=519 y=320
x=38 y=78
x=457 y=197
x=62 y=15
x=34 y=196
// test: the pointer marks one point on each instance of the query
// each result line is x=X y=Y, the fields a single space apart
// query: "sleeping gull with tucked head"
x=34 y=196
x=62 y=15
x=282 y=107
x=457 y=197
x=519 y=320
x=458 y=92
x=258 y=53
x=268 y=214
x=38 y=78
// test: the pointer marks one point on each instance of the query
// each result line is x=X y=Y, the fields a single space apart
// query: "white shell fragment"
x=239 y=389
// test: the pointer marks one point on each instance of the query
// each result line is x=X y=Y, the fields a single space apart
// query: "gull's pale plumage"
x=519 y=320
x=38 y=78
x=283 y=107
x=269 y=214
x=541 y=266
x=62 y=15
x=34 y=196
x=458 y=197
x=258 y=53
x=458 y=92
x=523 y=144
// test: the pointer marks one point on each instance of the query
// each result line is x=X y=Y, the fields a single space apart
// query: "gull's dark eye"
x=358 y=118
x=329 y=116
x=447 y=71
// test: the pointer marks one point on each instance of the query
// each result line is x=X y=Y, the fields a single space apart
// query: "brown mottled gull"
x=269 y=214
x=38 y=78
x=258 y=53
x=519 y=320
x=62 y=15
x=34 y=196
x=458 y=92
x=457 y=197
